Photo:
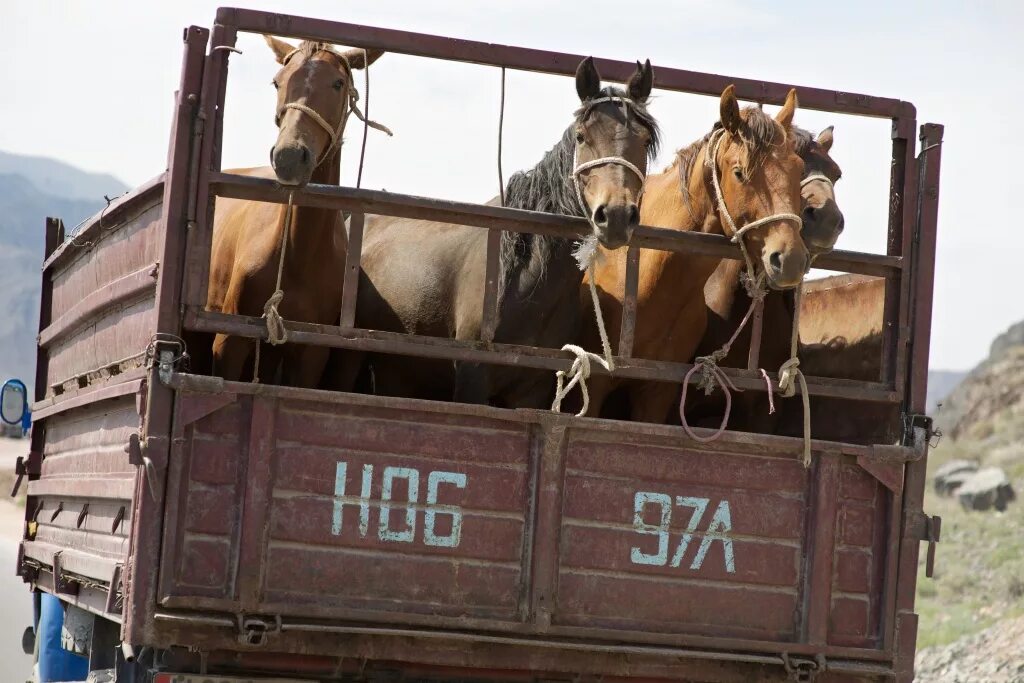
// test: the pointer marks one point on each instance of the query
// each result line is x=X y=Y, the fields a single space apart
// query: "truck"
x=198 y=529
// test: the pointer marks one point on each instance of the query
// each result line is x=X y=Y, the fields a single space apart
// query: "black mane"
x=548 y=187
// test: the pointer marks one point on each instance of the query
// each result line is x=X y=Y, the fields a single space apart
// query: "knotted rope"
x=790 y=374
x=277 y=333
x=586 y=254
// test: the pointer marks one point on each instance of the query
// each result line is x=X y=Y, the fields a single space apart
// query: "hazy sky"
x=91 y=83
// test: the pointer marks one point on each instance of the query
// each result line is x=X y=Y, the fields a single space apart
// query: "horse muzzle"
x=614 y=224
x=785 y=270
x=292 y=163
x=822 y=226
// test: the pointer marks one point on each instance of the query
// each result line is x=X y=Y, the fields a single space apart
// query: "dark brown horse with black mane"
x=427 y=278
x=315 y=95
x=728 y=302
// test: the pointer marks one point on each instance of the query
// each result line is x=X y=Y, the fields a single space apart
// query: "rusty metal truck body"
x=239 y=527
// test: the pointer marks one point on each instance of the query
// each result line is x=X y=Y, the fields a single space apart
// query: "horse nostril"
x=305 y=155
x=272 y=155
x=808 y=214
x=775 y=260
x=634 y=214
x=600 y=215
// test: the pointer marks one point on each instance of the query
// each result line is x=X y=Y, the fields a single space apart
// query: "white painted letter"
x=640 y=500
x=413 y=477
x=364 y=501
x=699 y=505
x=340 y=474
x=433 y=481
x=720 y=525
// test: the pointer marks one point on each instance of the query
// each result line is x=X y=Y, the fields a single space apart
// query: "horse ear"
x=825 y=139
x=785 y=115
x=588 y=81
x=281 y=49
x=360 y=59
x=641 y=82
x=729 y=110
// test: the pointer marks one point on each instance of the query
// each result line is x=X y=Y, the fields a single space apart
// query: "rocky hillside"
x=32 y=188
x=972 y=612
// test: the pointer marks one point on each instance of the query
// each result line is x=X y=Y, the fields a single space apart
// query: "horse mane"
x=309 y=48
x=760 y=134
x=803 y=140
x=548 y=187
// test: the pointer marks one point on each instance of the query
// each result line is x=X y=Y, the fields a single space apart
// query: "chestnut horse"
x=728 y=302
x=315 y=95
x=428 y=278
x=748 y=160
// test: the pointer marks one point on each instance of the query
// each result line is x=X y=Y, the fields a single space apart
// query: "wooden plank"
x=628 y=325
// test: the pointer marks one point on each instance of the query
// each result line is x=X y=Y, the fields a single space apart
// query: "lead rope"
x=790 y=374
x=711 y=373
x=586 y=255
x=276 y=331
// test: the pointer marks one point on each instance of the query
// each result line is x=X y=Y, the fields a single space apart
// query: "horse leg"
x=343 y=368
x=598 y=388
x=652 y=401
x=472 y=383
x=230 y=356
x=303 y=366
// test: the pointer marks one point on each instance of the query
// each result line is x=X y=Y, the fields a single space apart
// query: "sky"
x=91 y=84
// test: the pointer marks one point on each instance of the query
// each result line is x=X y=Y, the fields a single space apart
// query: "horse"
x=315 y=95
x=841 y=333
x=742 y=180
x=427 y=278
x=728 y=302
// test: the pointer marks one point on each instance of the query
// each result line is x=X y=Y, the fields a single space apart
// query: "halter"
x=820 y=177
x=579 y=168
x=351 y=98
x=738 y=233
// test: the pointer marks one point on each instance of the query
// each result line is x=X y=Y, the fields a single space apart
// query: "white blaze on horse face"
x=718 y=530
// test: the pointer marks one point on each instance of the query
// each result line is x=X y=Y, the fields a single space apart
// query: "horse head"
x=822 y=220
x=614 y=139
x=315 y=95
x=756 y=174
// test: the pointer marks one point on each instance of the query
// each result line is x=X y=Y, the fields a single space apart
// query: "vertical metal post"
x=922 y=248
x=211 y=128
x=147 y=518
x=350 y=293
x=627 y=328
x=756 y=327
x=489 y=321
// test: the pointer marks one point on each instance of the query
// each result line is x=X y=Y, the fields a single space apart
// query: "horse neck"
x=313 y=229
x=665 y=275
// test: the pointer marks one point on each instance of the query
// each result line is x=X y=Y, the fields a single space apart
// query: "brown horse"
x=841 y=333
x=728 y=302
x=751 y=159
x=428 y=278
x=315 y=95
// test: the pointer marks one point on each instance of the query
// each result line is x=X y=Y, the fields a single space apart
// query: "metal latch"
x=932 y=534
x=919 y=430
x=166 y=352
x=802 y=670
x=253 y=631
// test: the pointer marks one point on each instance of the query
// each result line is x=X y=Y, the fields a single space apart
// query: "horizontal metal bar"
x=514 y=220
x=93 y=228
x=123 y=289
x=505 y=354
x=526 y=59
x=113 y=387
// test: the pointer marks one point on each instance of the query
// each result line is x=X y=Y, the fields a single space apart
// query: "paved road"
x=16 y=611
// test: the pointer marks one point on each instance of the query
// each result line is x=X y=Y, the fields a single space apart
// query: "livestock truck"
x=198 y=529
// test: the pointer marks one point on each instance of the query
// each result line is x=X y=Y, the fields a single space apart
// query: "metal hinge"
x=932 y=534
x=802 y=670
x=253 y=631
x=919 y=430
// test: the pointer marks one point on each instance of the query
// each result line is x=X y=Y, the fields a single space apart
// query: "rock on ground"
x=995 y=655
x=950 y=476
x=986 y=489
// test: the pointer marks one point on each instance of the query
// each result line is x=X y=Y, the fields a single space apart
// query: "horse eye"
x=579 y=137
x=338 y=84
x=275 y=84
x=738 y=172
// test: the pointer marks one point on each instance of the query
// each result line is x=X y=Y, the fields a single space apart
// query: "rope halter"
x=578 y=168
x=350 y=100
x=739 y=232
x=819 y=177
x=586 y=254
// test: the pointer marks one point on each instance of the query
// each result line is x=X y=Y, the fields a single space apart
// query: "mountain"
x=61 y=180
x=941 y=384
x=32 y=188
